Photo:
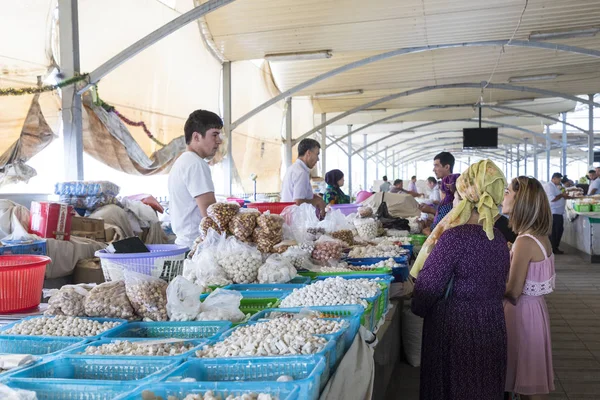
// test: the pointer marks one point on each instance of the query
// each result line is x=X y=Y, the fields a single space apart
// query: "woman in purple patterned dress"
x=459 y=293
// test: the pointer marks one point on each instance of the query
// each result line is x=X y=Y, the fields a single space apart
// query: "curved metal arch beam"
x=499 y=86
x=412 y=50
x=456 y=120
x=443 y=107
x=437 y=133
x=148 y=40
x=420 y=153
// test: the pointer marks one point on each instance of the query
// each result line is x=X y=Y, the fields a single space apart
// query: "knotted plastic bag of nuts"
x=266 y=240
x=109 y=300
x=148 y=296
x=270 y=223
x=206 y=224
x=222 y=213
x=242 y=224
x=327 y=248
x=345 y=235
x=69 y=300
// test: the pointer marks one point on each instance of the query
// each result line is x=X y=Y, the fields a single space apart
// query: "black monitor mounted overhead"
x=480 y=138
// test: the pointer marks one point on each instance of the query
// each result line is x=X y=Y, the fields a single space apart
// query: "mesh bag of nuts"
x=206 y=224
x=109 y=300
x=242 y=224
x=222 y=213
x=148 y=295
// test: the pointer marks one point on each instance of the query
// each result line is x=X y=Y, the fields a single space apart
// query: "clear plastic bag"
x=239 y=260
x=183 y=300
x=345 y=235
x=300 y=259
x=327 y=248
x=270 y=222
x=365 y=212
x=206 y=225
x=242 y=225
x=68 y=300
x=334 y=221
x=266 y=240
x=205 y=271
x=299 y=218
x=109 y=300
x=222 y=305
x=211 y=242
x=7 y=393
x=222 y=213
x=148 y=296
x=367 y=228
x=276 y=269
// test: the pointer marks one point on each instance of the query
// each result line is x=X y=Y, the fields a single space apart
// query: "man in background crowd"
x=412 y=185
x=557 y=196
x=385 y=186
x=594 y=183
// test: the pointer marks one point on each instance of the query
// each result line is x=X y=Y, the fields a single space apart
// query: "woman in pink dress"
x=529 y=361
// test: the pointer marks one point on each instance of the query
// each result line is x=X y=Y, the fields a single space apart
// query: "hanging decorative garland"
x=126 y=120
x=41 y=89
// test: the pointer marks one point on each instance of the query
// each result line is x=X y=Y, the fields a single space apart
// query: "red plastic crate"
x=51 y=220
x=274 y=208
x=21 y=282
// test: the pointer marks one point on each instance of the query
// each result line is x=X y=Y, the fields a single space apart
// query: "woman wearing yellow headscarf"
x=461 y=279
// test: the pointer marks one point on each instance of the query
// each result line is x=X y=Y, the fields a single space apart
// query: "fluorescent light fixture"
x=515 y=101
x=373 y=110
x=337 y=94
x=564 y=34
x=532 y=78
x=307 y=55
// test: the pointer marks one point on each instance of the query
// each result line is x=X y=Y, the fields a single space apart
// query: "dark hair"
x=385 y=178
x=333 y=177
x=564 y=179
x=413 y=177
x=397 y=181
x=201 y=121
x=432 y=179
x=445 y=159
x=592 y=171
x=306 y=145
x=556 y=175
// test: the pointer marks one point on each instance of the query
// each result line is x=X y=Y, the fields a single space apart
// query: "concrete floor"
x=575 y=323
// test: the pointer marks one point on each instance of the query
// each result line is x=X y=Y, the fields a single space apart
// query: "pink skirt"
x=529 y=352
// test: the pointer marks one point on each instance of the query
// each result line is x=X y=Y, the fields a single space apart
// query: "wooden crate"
x=92 y=228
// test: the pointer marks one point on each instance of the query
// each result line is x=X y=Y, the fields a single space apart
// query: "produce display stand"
x=582 y=231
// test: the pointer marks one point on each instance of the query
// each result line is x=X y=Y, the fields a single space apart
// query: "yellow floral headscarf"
x=481 y=187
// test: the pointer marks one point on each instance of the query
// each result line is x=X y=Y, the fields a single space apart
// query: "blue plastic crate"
x=306 y=370
x=258 y=294
x=73 y=391
x=71 y=369
x=375 y=260
x=180 y=330
x=264 y=287
x=6 y=327
x=78 y=351
x=351 y=313
x=47 y=346
x=36 y=247
x=283 y=390
x=328 y=352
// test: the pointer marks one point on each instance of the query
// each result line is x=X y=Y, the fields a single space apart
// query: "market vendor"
x=334 y=193
x=296 y=183
x=594 y=183
x=443 y=165
x=557 y=195
x=191 y=188
x=398 y=188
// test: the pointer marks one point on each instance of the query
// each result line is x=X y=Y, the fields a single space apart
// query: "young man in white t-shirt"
x=191 y=188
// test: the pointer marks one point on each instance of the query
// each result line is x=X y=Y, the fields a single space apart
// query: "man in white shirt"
x=434 y=195
x=385 y=186
x=557 y=197
x=296 y=182
x=191 y=188
x=412 y=185
x=594 y=183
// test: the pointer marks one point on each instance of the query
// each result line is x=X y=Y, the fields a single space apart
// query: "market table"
x=582 y=232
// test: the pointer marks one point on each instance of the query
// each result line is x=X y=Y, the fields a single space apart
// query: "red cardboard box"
x=51 y=220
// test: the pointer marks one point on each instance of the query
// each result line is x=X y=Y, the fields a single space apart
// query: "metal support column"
x=506 y=162
x=393 y=177
x=512 y=164
x=385 y=162
x=591 y=132
x=525 y=156
x=323 y=146
x=535 y=158
x=227 y=127
x=350 y=151
x=564 y=144
x=518 y=157
x=365 y=157
x=548 y=149
x=288 y=132
x=72 y=122
x=376 y=162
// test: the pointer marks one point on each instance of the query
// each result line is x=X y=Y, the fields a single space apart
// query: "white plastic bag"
x=210 y=243
x=205 y=271
x=300 y=259
x=69 y=300
x=7 y=393
x=276 y=269
x=412 y=335
x=239 y=260
x=183 y=300
x=222 y=305
x=334 y=221
x=299 y=218
x=148 y=295
x=366 y=227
